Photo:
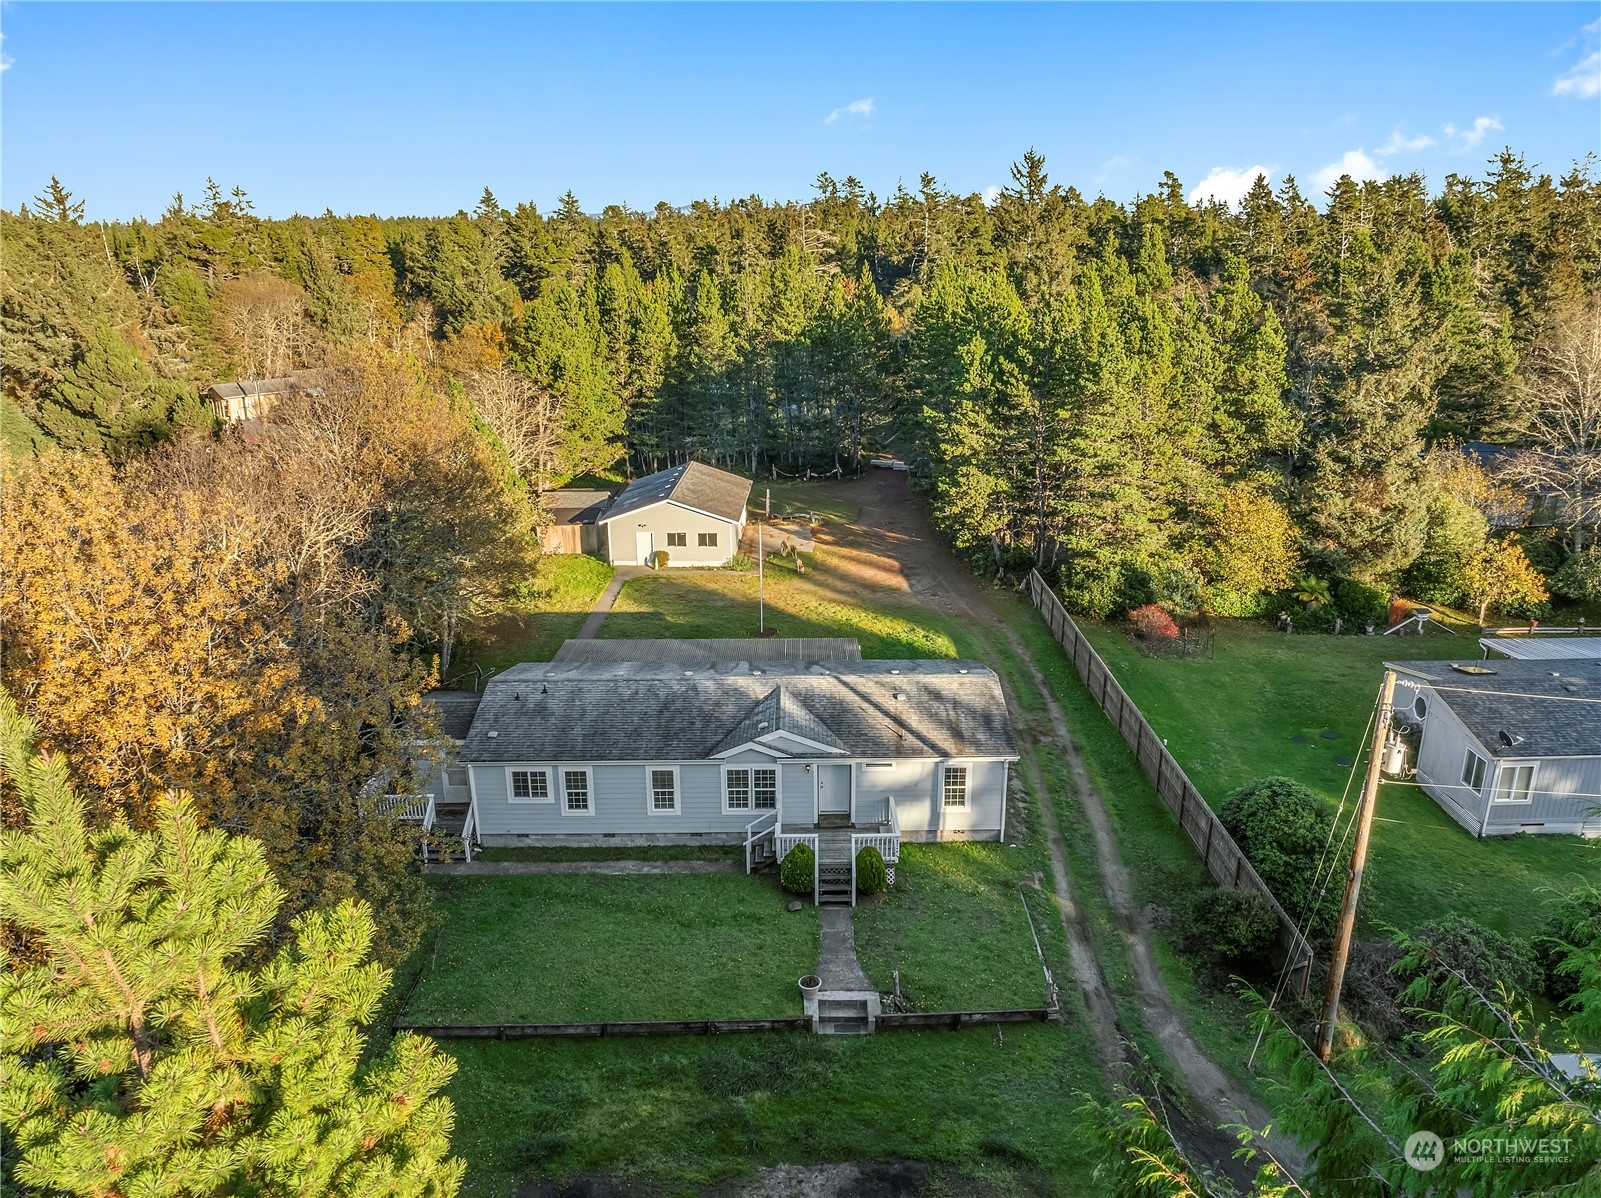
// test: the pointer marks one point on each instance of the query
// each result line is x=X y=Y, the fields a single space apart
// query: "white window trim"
x=650 y=791
x=550 y=783
x=1506 y=767
x=750 y=789
x=670 y=537
x=700 y=539
x=967 y=785
x=777 y=783
x=1487 y=775
x=561 y=778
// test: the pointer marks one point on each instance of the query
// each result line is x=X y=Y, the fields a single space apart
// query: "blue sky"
x=414 y=108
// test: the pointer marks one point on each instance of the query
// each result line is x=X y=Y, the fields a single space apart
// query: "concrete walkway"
x=486 y=868
x=603 y=605
x=837 y=966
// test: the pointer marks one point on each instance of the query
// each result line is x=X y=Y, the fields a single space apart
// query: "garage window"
x=677 y=540
x=708 y=540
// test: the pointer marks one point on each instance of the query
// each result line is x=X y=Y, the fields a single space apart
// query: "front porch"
x=834 y=840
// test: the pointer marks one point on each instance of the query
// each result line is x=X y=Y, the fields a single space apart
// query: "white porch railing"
x=784 y=841
x=410 y=809
x=887 y=843
x=469 y=830
x=755 y=834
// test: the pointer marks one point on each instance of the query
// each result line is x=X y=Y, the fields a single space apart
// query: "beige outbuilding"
x=694 y=514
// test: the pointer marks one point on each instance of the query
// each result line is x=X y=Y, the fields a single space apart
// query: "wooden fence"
x=1223 y=858
x=951 y=1021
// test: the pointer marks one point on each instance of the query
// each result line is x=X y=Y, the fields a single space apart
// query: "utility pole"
x=1353 y=879
x=769 y=503
x=761 y=582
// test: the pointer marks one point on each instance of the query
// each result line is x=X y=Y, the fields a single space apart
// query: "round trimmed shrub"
x=1228 y=925
x=872 y=877
x=1281 y=828
x=658 y=559
x=798 y=869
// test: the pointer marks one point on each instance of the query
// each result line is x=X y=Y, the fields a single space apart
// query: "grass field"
x=1230 y=718
x=531 y=948
x=565 y=587
x=669 y=1116
x=724 y=603
x=954 y=926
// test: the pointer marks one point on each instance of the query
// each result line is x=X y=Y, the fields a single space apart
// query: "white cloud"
x=861 y=108
x=1114 y=164
x=1583 y=80
x=5 y=59
x=1399 y=144
x=1225 y=185
x=1355 y=163
x=991 y=194
x=1470 y=137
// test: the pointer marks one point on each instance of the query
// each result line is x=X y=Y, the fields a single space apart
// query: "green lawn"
x=532 y=948
x=1230 y=718
x=565 y=587
x=670 y=1116
x=724 y=604
x=953 y=924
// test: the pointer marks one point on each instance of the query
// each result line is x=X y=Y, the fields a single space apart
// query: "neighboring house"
x=1508 y=746
x=253 y=399
x=1541 y=648
x=765 y=751
x=574 y=521
x=694 y=512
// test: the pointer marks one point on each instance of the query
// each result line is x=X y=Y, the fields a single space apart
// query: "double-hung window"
x=575 y=789
x=677 y=540
x=764 y=789
x=955 y=786
x=1515 y=784
x=736 y=786
x=707 y=540
x=1473 y=767
x=530 y=786
x=663 y=791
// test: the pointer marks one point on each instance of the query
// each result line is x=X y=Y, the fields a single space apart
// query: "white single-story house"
x=1507 y=746
x=759 y=744
x=693 y=513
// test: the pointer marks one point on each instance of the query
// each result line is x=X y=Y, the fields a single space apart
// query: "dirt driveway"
x=892 y=544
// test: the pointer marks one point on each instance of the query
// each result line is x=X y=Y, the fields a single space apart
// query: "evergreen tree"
x=141 y=1055
x=56 y=206
x=110 y=401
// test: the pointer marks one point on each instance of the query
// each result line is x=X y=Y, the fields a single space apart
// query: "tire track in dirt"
x=893 y=523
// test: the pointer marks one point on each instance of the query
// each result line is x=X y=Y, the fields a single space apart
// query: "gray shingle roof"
x=709 y=650
x=656 y=711
x=456 y=710
x=779 y=711
x=1530 y=701
x=694 y=484
x=575 y=506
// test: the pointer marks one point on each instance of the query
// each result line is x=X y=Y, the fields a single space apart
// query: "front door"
x=833 y=790
x=642 y=547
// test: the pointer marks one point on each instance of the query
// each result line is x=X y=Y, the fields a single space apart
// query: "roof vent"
x=900 y=694
x=689 y=673
x=756 y=673
x=1462 y=669
x=491 y=734
x=761 y=725
x=894 y=671
x=961 y=669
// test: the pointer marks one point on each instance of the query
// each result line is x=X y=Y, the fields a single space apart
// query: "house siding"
x=620 y=802
x=665 y=517
x=1442 y=752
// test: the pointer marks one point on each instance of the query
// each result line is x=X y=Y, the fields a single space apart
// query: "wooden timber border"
x=1224 y=860
x=897 y=1021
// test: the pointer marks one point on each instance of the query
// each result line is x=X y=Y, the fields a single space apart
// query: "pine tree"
x=55 y=205
x=141 y=1057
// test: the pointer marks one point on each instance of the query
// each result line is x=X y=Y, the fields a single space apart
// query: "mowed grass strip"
x=724 y=603
x=541 y=948
x=670 y=1116
x=564 y=588
x=1230 y=719
x=954 y=925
